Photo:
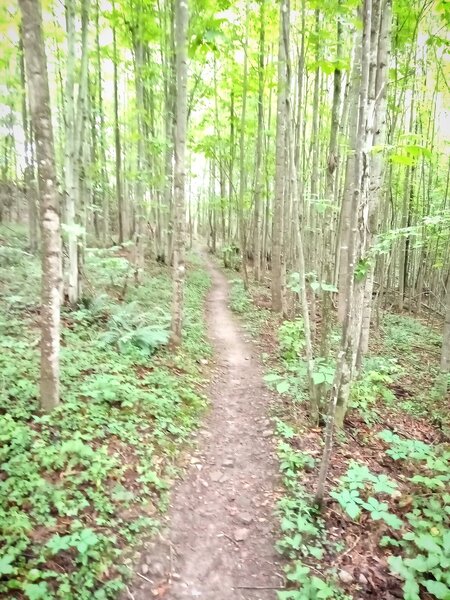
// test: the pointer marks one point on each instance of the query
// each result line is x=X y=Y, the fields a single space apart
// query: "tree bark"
x=181 y=21
x=36 y=66
x=378 y=104
x=242 y=171
x=257 y=236
x=139 y=257
x=281 y=155
x=445 y=354
x=29 y=177
x=70 y=157
x=117 y=144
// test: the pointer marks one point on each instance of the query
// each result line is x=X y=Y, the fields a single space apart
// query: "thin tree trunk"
x=181 y=21
x=70 y=158
x=378 y=104
x=278 y=261
x=117 y=143
x=141 y=162
x=242 y=171
x=259 y=184
x=29 y=181
x=36 y=66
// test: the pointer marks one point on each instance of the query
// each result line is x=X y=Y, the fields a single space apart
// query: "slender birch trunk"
x=181 y=21
x=259 y=183
x=118 y=143
x=278 y=260
x=38 y=89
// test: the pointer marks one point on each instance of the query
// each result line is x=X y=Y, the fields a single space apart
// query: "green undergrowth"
x=79 y=486
x=303 y=539
x=254 y=318
x=387 y=485
x=416 y=348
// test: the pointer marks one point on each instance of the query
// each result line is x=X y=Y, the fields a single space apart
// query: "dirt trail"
x=219 y=541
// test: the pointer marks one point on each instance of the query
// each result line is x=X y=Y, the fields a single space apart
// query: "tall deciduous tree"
x=36 y=68
x=179 y=269
x=365 y=188
x=281 y=171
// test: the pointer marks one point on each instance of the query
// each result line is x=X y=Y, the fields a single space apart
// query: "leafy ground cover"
x=384 y=531
x=77 y=487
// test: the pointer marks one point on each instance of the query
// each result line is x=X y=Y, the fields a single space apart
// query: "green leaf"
x=5 y=564
x=87 y=538
x=384 y=485
x=34 y=574
x=398 y=566
x=270 y=377
x=37 y=591
x=328 y=287
x=289 y=595
x=298 y=573
x=353 y=510
x=426 y=541
x=392 y=520
x=283 y=386
x=446 y=542
x=411 y=590
x=57 y=543
x=438 y=589
x=316 y=552
x=318 y=377
x=418 y=563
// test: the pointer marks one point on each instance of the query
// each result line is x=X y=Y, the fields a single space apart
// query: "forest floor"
x=384 y=530
x=219 y=542
x=86 y=511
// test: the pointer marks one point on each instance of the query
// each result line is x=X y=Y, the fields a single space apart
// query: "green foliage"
x=240 y=301
x=128 y=327
x=290 y=382
x=402 y=332
x=359 y=479
x=11 y=256
x=291 y=338
x=80 y=484
x=311 y=279
x=303 y=534
x=425 y=558
x=372 y=386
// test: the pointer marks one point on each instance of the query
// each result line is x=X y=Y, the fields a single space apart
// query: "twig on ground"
x=145 y=578
x=229 y=538
x=130 y=595
x=351 y=547
x=256 y=587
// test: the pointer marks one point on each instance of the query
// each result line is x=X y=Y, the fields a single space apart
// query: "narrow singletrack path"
x=219 y=541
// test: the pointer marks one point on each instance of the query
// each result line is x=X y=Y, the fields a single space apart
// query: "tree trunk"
x=259 y=184
x=378 y=103
x=70 y=157
x=347 y=218
x=242 y=171
x=278 y=261
x=118 y=144
x=181 y=21
x=36 y=66
x=443 y=379
x=29 y=177
x=139 y=241
x=101 y=133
